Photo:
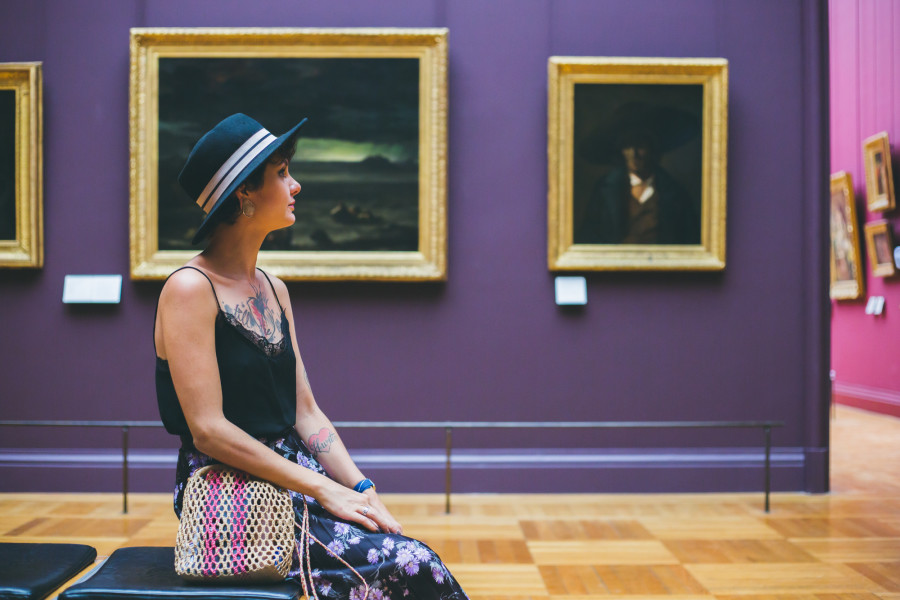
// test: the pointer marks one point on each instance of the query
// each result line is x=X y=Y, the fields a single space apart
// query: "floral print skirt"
x=394 y=566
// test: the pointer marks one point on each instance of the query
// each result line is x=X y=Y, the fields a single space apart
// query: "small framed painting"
x=846 y=266
x=879 y=174
x=880 y=247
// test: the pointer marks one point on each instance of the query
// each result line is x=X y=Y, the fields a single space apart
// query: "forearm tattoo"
x=321 y=442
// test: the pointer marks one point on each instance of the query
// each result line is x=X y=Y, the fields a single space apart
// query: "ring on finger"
x=365 y=510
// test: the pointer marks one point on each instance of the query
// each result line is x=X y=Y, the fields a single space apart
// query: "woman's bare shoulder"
x=189 y=289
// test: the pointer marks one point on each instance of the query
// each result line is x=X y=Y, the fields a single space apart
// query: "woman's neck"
x=232 y=253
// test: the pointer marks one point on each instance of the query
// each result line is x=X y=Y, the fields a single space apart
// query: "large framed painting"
x=21 y=170
x=879 y=174
x=371 y=160
x=637 y=163
x=847 y=281
x=880 y=248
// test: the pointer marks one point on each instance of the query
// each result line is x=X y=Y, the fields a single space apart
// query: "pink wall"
x=865 y=91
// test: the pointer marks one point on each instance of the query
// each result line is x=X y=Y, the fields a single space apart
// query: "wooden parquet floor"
x=845 y=545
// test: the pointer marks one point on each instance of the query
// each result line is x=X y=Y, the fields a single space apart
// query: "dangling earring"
x=248 y=208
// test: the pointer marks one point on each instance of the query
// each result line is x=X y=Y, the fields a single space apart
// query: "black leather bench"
x=149 y=574
x=33 y=571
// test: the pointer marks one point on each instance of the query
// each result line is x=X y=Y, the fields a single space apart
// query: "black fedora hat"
x=222 y=160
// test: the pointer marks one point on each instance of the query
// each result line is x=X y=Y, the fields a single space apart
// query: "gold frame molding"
x=429 y=46
x=846 y=289
x=27 y=249
x=563 y=73
x=885 y=269
x=878 y=202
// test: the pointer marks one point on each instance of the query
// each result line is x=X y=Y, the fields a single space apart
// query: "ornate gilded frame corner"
x=880 y=268
x=26 y=249
x=429 y=46
x=879 y=179
x=845 y=229
x=563 y=74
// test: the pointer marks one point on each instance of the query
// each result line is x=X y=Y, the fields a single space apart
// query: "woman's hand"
x=391 y=524
x=352 y=506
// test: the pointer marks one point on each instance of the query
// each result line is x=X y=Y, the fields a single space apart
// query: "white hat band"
x=232 y=167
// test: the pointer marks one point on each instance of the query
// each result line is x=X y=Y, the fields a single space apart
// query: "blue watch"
x=364 y=485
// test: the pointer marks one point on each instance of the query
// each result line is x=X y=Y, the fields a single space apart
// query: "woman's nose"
x=295 y=188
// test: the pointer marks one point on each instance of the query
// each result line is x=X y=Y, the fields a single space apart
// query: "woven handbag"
x=234 y=527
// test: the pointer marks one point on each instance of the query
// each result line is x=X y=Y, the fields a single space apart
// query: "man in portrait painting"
x=636 y=200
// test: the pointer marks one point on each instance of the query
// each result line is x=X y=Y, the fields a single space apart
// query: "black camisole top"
x=258 y=377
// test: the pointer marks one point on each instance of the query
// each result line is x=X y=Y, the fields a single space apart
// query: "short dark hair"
x=230 y=210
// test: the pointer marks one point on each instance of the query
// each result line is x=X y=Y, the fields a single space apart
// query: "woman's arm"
x=187 y=313
x=320 y=435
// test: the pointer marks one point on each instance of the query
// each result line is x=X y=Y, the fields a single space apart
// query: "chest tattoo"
x=256 y=315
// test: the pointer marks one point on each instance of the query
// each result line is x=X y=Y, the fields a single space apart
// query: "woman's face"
x=274 y=199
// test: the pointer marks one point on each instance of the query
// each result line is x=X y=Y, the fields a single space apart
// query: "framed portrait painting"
x=880 y=248
x=637 y=163
x=847 y=281
x=879 y=174
x=371 y=160
x=21 y=165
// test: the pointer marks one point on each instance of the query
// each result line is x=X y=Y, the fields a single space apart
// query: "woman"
x=231 y=383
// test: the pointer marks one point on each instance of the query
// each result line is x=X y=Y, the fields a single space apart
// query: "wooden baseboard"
x=879 y=400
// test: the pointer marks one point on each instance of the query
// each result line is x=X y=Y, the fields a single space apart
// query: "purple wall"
x=865 y=89
x=748 y=343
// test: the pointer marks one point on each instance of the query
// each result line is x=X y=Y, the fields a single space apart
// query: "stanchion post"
x=768 y=430
x=125 y=470
x=448 y=437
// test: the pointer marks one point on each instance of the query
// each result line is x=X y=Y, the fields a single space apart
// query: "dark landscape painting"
x=637 y=163
x=7 y=164
x=357 y=158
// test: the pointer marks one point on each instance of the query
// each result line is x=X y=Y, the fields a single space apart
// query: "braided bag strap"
x=304 y=541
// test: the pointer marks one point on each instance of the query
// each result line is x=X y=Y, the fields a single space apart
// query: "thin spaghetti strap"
x=156 y=313
x=273 y=288
x=207 y=278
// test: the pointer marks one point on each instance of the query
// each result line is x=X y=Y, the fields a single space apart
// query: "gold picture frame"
x=676 y=106
x=21 y=165
x=402 y=239
x=847 y=281
x=879 y=174
x=880 y=248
